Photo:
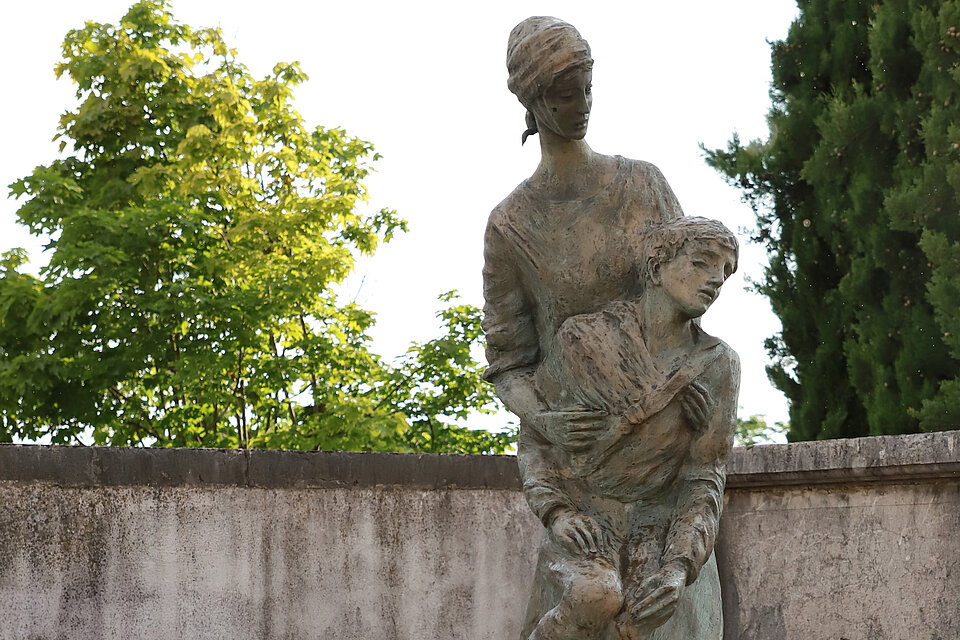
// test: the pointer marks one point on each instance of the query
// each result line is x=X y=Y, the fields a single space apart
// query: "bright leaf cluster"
x=755 y=430
x=198 y=232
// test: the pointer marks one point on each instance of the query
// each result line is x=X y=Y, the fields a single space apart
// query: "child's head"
x=690 y=258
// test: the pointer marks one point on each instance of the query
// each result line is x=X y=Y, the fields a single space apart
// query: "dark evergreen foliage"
x=856 y=195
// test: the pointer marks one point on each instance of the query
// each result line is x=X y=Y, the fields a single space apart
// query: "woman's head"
x=549 y=68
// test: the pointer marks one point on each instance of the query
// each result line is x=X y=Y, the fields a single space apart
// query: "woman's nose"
x=583 y=102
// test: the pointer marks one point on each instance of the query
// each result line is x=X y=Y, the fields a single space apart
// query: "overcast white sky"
x=426 y=83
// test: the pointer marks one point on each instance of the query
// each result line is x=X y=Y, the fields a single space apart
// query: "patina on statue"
x=593 y=284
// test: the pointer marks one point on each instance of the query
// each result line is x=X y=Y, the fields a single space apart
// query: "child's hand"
x=656 y=598
x=696 y=401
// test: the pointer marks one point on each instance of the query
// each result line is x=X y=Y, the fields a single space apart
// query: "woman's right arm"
x=517 y=391
x=513 y=346
x=513 y=353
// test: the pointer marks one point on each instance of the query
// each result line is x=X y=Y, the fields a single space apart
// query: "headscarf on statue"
x=540 y=48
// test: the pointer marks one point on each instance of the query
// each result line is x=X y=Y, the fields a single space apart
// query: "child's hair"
x=663 y=242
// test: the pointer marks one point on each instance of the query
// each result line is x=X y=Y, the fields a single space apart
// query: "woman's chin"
x=573 y=133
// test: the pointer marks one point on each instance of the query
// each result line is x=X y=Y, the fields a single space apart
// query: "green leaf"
x=197 y=235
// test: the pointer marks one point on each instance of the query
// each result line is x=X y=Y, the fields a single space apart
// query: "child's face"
x=692 y=279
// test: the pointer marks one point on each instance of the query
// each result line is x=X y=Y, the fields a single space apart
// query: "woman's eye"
x=700 y=264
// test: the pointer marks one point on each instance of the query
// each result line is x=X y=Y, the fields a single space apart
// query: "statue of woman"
x=613 y=563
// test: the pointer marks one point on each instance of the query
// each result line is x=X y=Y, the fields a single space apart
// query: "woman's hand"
x=577 y=431
x=577 y=532
x=696 y=401
x=656 y=598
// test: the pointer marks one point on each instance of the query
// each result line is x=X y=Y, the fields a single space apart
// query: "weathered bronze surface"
x=594 y=282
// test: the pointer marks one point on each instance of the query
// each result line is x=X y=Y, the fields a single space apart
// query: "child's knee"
x=595 y=598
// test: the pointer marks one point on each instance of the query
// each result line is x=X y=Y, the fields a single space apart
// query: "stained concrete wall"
x=846 y=539
x=122 y=544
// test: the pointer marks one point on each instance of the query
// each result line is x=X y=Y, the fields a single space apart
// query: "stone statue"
x=593 y=284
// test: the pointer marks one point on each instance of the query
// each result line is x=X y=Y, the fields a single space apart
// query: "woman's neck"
x=569 y=169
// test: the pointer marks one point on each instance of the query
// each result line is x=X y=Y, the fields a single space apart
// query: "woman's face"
x=564 y=108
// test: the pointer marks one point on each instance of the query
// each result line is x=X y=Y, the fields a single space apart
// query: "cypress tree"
x=856 y=196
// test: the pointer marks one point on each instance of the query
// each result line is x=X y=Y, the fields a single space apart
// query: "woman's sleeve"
x=508 y=321
x=694 y=527
x=542 y=475
x=513 y=349
x=667 y=202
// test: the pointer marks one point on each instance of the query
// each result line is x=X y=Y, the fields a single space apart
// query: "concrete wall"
x=849 y=539
x=121 y=543
x=844 y=540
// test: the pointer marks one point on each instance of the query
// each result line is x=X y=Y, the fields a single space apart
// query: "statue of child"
x=630 y=473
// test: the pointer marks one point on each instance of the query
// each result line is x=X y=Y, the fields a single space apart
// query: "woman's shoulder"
x=640 y=168
x=517 y=200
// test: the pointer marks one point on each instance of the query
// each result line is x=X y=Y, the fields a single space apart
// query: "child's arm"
x=701 y=481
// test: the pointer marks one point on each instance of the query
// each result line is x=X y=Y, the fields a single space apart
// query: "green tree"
x=755 y=430
x=856 y=195
x=198 y=231
x=439 y=382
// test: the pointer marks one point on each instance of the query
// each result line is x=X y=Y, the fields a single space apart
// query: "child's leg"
x=591 y=599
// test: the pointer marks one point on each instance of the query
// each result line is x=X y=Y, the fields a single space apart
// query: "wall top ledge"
x=919 y=457
x=130 y=466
